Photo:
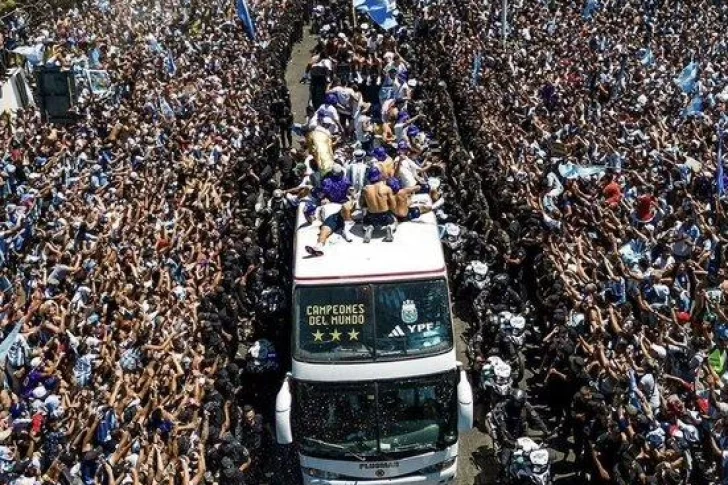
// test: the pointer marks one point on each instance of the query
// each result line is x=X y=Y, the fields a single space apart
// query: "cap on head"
x=413 y=131
x=375 y=175
x=380 y=154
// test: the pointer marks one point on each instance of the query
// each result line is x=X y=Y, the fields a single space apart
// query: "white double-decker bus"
x=376 y=394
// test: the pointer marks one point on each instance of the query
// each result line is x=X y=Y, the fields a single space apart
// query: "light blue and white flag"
x=34 y=54
x=103 y=5
x=688 y=77
x=720 y=176
x=477 y=64
x=695 y=108
x=381 y=12
x=170 y=64
x=241 y=6
x=590 y=8
x=165 y=108
x=646 y=56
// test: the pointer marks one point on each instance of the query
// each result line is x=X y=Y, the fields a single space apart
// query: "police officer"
x=514 y=417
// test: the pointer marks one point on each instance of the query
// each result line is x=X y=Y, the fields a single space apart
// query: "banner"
x=99 y=81
x=8 y=342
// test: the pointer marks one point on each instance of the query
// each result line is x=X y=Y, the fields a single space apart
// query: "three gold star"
x=318 y=336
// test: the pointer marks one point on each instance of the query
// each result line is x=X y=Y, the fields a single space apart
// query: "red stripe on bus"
x=369 y=276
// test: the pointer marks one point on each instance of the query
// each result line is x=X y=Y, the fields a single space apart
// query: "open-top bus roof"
x=416 y=250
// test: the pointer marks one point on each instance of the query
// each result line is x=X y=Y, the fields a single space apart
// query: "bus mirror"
x=465 y=404
x=284 y=434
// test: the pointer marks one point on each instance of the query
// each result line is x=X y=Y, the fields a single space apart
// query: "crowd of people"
x=590 y=143
x=137 y=264
x=143 y=258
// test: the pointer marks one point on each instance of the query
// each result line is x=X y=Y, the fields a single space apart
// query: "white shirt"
x=361 y=123
x=346 y=97
x=328 y=111
x=407 y=172
x=357 y=174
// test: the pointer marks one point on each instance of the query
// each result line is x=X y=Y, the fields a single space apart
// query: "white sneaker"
x=390 y=234
x=368 y=231
x=347 y=231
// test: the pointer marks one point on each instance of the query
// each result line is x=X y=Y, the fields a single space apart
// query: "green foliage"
x=7 y=5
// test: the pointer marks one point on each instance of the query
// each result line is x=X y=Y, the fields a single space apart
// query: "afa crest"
x=409 y=312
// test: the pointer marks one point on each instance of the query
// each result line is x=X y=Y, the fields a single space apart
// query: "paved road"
x=296 y=68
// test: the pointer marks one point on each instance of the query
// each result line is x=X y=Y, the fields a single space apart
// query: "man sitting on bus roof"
x=380 y=205
x=384 y=162
x=403 y=198
x=335 y=209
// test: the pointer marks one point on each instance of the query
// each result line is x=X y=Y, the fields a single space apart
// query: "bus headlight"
x=316 y=473
x=439 y=466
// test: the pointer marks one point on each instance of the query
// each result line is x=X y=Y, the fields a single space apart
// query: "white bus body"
x=375 y=395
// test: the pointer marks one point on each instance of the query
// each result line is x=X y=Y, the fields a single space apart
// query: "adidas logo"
x=397 y=332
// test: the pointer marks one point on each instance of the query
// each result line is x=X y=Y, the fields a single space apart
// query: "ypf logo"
x=379 y=473
x=409 y=311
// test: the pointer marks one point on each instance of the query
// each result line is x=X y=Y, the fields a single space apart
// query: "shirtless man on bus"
x=380 y=203
x=403 y=198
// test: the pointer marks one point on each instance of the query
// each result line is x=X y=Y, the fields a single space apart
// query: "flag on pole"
x=477 y=64
x=720 y=177
x=243 y=11
x=171 y=66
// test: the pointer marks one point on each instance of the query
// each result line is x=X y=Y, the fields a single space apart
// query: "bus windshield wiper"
x=337 y=447
x=415 y=446
x=326 y=444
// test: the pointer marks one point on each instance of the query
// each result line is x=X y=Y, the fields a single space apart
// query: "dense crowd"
x=144 y=267
x=138 y=261
x=600 y=126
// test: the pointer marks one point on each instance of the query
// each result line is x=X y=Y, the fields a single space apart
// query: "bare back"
x=379 y=198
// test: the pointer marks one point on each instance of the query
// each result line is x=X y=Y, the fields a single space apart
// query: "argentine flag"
x=244 y=15
x=169 y=62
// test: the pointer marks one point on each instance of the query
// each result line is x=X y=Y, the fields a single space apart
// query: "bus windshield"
x=376 y=420
x=372 y=321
